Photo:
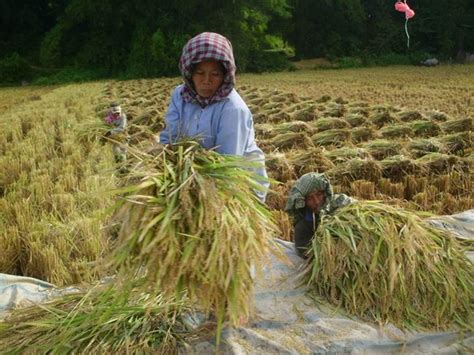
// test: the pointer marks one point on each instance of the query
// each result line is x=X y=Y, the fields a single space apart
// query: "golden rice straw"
x=386 y=264
x=192 y=222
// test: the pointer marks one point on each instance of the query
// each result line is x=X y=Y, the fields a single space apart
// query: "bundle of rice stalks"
x=324 y=124
x=355 y=119
x=406 y=116
x=456 y=143
x=363 y=189
x=332 y=137
x=382 y=148
x=438 y=116
x=381 y=118
x=385 y=264
x=398 y=166
x=279 y=167
x=334 y=109
x=391 y=189
x=278 y=116
x=396 y=131
x=91 y=131
x=360 y=108
x=284 y=225
x=139 y=133
x=346 y=153
x=194 y=222
x=441 y=163
x=308 y=160
x=265 y=130
x=459 y=125
x=355 y=169
x=294 y=126
x=422 y=147
x=362 y=134
x=425 y=128
x=110 y=320
x=306 y=114
x=291 y=140
x=278 y=194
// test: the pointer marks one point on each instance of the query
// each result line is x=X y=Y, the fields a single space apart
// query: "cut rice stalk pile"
x=103 y=320
x=385 y=264
x=193 y=223
x=91 y=130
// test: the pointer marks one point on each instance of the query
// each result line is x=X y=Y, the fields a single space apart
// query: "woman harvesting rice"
x=207 y=108
x=311 y=197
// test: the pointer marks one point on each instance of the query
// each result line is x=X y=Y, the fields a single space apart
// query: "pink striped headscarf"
x=207 y=46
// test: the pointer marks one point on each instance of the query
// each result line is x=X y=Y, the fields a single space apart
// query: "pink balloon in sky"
x=403 y=7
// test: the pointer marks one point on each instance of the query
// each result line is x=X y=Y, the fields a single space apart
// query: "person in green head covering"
x=309 y=199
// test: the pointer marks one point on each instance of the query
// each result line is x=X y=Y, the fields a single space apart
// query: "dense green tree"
x=122 y=37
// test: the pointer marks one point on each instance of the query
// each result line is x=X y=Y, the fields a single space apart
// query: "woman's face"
x=207 y=78
x=315 y=200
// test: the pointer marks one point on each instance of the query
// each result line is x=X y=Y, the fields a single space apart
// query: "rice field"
x=402 y=135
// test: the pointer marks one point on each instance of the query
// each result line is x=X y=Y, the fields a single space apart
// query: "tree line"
x=145 y=38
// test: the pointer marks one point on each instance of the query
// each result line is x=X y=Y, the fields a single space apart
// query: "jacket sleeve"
x=233 y=132
x=170 y=132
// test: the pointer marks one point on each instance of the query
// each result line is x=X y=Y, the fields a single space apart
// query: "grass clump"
x=385 y=264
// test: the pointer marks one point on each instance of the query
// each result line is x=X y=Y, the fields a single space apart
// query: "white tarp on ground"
x=287 y=320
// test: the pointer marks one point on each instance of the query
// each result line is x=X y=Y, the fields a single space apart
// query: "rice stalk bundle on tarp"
x=385 y=264
x=459 y=125
x=106 y=319
x=191 y=221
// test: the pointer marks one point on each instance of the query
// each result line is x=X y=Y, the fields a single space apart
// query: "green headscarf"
x=305 y=185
